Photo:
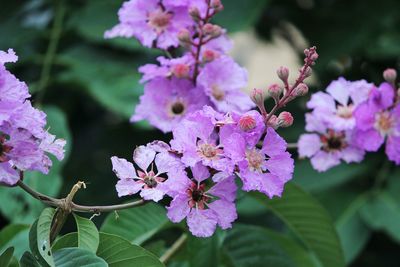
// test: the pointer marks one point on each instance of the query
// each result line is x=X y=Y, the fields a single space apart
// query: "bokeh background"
x=89 y=88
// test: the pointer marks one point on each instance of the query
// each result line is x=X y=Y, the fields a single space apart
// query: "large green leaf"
x=66 y=241
x=9 y=232
x=15 y=235
x=39 y=238
x=310 y=222
x=6 y=257
x=88 y=236
x=311 y=180
x=72 y=257
x=118 y=252
x=21 y=207
x=239 y=15
x=382 y=212
x=249 y=246
x=111 y=80
x=203 y=252
x=28 y=260
x=138 y=224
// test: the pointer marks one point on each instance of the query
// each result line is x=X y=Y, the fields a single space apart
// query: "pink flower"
x=266 y=169
x=167 y=101
x=152 y=22
x=204 y=209
x=222 y=80
x=148 y=180
x=378 y=119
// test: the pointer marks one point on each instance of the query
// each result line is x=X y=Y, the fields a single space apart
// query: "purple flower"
x=222 y=80
x=328 y=147
x=148 y=180
x=204 y=209
x=152 y=22
x=24 y=143
x=249 y=125
x=379 y=119
x=266 y=169
x=335 y=108
x=177 y=67
x=167 y=101
x=195 y=137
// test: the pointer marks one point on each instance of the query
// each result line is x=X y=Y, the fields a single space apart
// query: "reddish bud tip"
x=307 y=72
x=283 y=73
x=217 y=5
x=390 y=75
x=275 y=91
x=257 y=96
x=247 y=123
x=209 y=55
x=181 y=70
x=273 y=122
x=300 y=90
x=285 y=119
x=214 y=31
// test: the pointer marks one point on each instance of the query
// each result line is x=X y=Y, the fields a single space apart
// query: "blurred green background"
x=89 y=88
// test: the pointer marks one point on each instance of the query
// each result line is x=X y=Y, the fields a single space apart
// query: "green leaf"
x=203 y=252
x=251 y=246
x=88 y=236
x=118 y=252
x=72 y=257
x=137 y=225
x=239 y=15
x=28 y=260
x=353 y=232
x=311 y=180
x=6 y=257
x=382 y=212
x=310 y=222
x=66 y=241
x=9 y=232
x=87 y=24
x=21 y=207
x=39 y=238
x=111 y=80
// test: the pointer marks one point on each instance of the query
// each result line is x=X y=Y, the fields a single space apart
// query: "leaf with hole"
x=39 y=238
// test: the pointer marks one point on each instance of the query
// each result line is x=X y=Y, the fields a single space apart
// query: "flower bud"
x=257 y=96
x=247 y=123
x=181 y=70
x=285 y=119
x=209 y=55
x=194 y=12
x=273 y=122
x=213 y=30
x=275 y=91
x=390 y=75
x=217 y=5
x=283 y=73
x=300 y=90
x=307 y=72
x=184 y=36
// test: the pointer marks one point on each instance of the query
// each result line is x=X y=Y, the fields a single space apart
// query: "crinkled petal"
x=272 y=185
x=370 y=140
x=8 y=175
x=143 y=156
x=393 y=149
x=179 y=208
x=365 y=116
x=322 y=161
x=153 y=194
x=322 y=100
x=127 y=187
x=339 y=90
x=352 y=154
x=8 y=56
x=273 y=143
x=225 y=212
x=200 y=172
x=202 y=223
x=166 y=162
x=309 y=145
x=225 y=189
x=281 y=165
x=123 y=168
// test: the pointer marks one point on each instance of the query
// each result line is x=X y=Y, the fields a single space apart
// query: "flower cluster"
x=203 y=75
x=350 y=119
x=24 y=141
x=197 y=169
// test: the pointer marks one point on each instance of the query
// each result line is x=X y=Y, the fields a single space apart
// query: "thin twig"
x=51 y=50
x=292 y=145
x=60 y=203
x=174 y=248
